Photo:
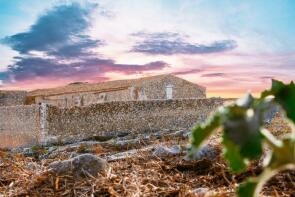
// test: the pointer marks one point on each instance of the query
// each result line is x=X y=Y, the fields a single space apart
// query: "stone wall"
x=84 y=98
x=130 y=116
x=41 y=124
x=19 y=125
x=11 y=98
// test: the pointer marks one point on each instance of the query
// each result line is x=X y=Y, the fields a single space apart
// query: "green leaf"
x=284 y=95
x=202 y=131
x=248 y=188
x=231 y=153
x=253 y=148
x=253 y=186
x=244 y=135
x=284 y=154
x=242 y=124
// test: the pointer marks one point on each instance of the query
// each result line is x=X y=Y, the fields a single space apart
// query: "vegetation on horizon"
x=244 y=135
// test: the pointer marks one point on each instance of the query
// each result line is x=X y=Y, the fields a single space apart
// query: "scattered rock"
x=28 y=152
x=33 y=166
x=34 y=151
x=158 y=135
x=109 y=136
x=146 y=136
x=80 y=166
x=187 y=134
x=122 y=134
x=208 y=151
x=169 y=133
x=200 y=192
x=51 y=140
x=127 y=142
x=51 y=149
x=128 y=154
x=181 y=133
x=56 y=155
x=122 y=155
x=73 y=155
x=164 y=151
x=100 y=138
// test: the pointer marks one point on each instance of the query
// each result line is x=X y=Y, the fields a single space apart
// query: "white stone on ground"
x=80 y=166
x=201 y=192
x=164 y=151
x=208 y=151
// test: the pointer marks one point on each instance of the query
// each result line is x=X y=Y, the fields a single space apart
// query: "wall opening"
x=169 y=91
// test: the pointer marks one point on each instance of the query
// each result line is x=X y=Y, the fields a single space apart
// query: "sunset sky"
x=228 y=46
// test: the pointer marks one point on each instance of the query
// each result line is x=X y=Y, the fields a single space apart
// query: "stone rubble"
x=33 y=166
x=129 y=153
x=209 y=151
x=80 y=166
x=162 y=151
x=205 y=192
x=127 y=142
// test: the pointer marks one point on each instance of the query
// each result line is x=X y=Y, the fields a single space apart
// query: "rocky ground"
x=131 y=165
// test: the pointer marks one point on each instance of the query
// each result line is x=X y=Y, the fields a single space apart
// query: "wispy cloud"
x=29 y=68
x=66 y=51
x=60 y=28
x=214 y=75
x=167 y=43
x=189 y=71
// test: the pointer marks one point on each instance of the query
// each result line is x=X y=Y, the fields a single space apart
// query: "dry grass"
x=279 y=125
x=144 y=175
x=139 y=176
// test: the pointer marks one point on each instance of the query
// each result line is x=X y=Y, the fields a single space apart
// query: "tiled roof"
x=96 y=87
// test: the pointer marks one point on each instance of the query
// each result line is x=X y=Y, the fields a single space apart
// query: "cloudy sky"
x=230 y=47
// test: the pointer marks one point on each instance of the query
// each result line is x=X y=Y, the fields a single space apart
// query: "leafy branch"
x=244 y=135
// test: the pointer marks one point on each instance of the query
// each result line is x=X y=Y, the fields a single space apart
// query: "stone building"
x=11 y=98
x=148 y=88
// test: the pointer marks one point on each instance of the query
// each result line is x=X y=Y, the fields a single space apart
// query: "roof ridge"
x=99 y=86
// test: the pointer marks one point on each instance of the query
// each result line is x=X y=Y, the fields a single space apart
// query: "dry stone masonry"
x=43 y=124
x=19 y=125
x=131 y=116
x=12 y=98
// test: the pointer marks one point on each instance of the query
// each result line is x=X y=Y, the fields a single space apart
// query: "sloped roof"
x=12 y=92
x=98 y=87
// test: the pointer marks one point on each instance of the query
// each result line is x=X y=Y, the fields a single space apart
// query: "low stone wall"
x=19 y=126
x=41 y=124
x=130 y=116
x=12 y=98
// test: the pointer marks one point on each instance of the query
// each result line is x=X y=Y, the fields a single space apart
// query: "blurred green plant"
x=244 y=135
